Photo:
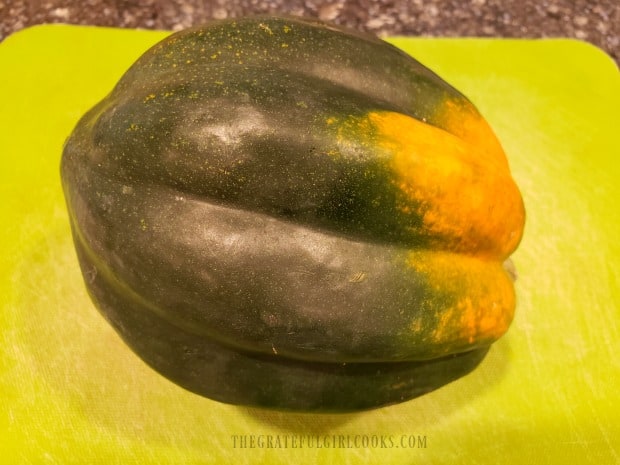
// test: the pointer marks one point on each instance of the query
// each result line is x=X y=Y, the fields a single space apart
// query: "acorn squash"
x=278 y=212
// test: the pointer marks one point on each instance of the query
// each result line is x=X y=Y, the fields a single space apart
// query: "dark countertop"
x=597 y=22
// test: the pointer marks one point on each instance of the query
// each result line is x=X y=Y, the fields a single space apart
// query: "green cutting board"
x=72 y=392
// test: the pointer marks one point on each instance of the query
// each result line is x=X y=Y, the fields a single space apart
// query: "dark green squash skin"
x=227 y=374
x=222 y=247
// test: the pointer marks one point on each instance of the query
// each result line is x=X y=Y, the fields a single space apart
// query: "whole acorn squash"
x=281 y=213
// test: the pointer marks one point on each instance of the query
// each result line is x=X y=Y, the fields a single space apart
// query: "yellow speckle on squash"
x=265 y=28
x=416 y=326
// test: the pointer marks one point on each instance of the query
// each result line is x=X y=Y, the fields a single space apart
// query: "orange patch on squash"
x=463 y=191
x=475 y=298
x=460 y=118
